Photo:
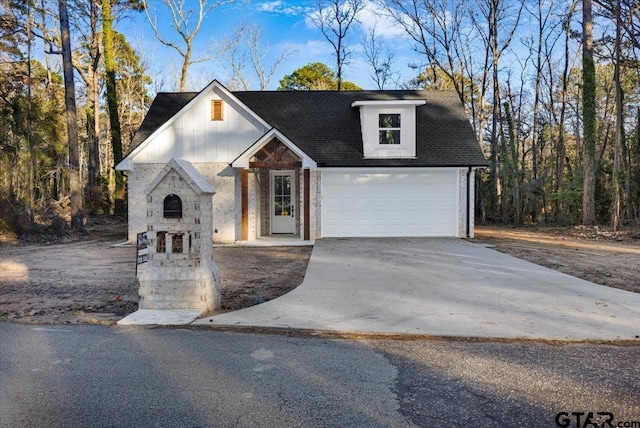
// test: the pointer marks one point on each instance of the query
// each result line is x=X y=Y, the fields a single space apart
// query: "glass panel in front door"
x=282 y=195
x=283 y=200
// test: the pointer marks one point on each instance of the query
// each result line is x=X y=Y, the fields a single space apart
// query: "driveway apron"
x=441 y=287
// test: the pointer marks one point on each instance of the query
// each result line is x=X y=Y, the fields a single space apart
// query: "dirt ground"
x=597 y=255
x=86 y=280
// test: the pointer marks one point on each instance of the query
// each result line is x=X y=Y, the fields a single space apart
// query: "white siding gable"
x=193 y=136
x=369 y=121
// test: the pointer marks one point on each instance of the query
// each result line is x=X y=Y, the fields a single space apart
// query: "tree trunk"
x=112 y=104
x=30 y=143
x=93 y=101
x=495 y=174
x=536 y=112
x=589 y=117
x=77 y=220
x=615 y=215
x=185 y=67
x=561 y=147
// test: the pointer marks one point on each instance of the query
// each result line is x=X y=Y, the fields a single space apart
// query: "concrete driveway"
x=441 y=287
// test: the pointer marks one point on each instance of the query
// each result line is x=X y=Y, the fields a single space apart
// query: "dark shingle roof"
x=325 y=126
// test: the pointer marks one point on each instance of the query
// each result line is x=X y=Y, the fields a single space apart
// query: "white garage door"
x=382 y=204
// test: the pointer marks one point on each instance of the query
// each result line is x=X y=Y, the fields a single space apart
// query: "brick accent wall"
x=263 y=183
x=462 y=203
x=180 y=273
x=316 y=204
x=226 y=206
x=265 y=210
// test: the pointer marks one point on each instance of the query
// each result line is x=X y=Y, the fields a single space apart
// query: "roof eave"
x=122 y=166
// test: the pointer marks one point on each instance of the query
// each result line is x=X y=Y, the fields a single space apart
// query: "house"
x=315 y=164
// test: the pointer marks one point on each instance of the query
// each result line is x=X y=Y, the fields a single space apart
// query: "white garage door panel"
x=389 y=204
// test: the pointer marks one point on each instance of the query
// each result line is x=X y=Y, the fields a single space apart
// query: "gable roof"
x=191 y=176
x=326 y=127
x=242 y=161
x=170 y=112
x=164 y=106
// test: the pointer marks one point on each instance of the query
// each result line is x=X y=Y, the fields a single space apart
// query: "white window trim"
x=370 y=128
x=380 y=129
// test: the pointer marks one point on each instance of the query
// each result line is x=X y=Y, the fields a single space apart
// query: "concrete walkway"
x=440 y=287
x=161 y=317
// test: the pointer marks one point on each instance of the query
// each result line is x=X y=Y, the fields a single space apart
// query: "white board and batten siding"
x=194 y=137
x=390 y=203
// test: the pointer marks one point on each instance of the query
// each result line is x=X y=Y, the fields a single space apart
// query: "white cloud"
x=374 y=16
x=270 y=6
x=282 y=8
x=314 y=50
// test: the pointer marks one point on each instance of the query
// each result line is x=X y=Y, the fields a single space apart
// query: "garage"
x=380 y=203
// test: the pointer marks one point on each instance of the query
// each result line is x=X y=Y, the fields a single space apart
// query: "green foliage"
x=131 y=84
x=32 y=148
x=112 y=103
x=314 y=77
x=570 y=198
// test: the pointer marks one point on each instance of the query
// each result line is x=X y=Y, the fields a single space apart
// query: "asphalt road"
x=94 y=376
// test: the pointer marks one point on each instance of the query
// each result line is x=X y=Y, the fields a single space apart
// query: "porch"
x=275 y=193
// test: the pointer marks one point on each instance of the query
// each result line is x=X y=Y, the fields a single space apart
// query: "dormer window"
x=389 y=129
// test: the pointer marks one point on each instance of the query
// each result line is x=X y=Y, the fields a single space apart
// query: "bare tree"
x=77 y=220
x=112 y=104
x=496 y=28
x=379 y=57
x=540 y=39
x=615 y=215
x=243 y=47
x=561 y=145
x=87 y=17
x=434 y=26
x=334 y=18
x=187 y=22
x=589 y=116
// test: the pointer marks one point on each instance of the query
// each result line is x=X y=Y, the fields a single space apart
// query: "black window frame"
x=172 y=206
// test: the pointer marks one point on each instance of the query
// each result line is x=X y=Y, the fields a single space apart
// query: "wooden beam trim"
x=275 y=165
x=267 y=153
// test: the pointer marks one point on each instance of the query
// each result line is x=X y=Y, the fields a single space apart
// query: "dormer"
x=388 y=127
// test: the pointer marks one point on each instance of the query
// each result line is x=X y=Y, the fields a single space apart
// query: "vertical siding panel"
x=186 y=135
x=195 y=137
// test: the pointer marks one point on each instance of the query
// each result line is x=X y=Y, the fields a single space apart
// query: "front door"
x=283 y=197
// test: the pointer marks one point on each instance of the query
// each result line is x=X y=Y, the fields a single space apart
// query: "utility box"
x=180 y=272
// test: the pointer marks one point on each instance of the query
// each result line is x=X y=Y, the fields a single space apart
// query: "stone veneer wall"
x=226 y=206
x=316 y=204
x=297 y=179
x=185 y=279
x=472 y=202
x=462 y=203
x=254 y=207
x=262 y=176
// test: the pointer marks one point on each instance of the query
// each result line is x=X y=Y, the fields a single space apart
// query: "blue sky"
x=285 y=24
